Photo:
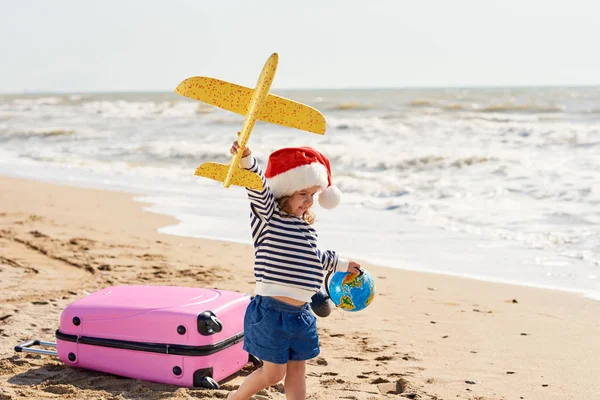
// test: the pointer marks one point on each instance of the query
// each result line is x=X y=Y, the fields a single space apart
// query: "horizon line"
x=162 y=91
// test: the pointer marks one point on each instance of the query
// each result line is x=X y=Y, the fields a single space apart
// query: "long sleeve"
x=261 y=202
x=332 y=261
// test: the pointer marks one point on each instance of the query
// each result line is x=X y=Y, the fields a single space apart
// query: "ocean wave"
x=204 y=109
x=444 y=106
x=48 y=132
x=183 y=152
x=519 y=108
x=37 y=101
x=372 y=189
x=365 y=167
x=435 y=162
x=489 y=108
x=52 y=100
x=56 y=132
x=75 y=99
x=349 y=107
x=454 y=107
x=421 y=103
x=78 y=97
x=140 y=109
x=223 y=120
x=367 y=124
x=567 y=244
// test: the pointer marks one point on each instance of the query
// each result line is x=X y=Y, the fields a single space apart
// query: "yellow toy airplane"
x=255 y=104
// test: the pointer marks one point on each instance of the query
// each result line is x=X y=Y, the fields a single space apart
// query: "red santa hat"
x=295 y=168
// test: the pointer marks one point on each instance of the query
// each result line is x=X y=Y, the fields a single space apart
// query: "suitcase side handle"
x=209 y=324
x=27 y=347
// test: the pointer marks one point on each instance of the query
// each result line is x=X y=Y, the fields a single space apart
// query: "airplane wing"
x=241 y=177
x=235 y=98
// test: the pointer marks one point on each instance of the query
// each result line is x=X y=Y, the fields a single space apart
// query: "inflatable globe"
x=351 y=292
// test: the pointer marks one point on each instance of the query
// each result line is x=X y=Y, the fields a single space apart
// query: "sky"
x=151 y=45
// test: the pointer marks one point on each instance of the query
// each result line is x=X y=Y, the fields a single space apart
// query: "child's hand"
x=235 y=147
x=354 y=267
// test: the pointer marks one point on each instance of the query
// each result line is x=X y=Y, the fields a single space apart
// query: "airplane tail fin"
x=240 y=177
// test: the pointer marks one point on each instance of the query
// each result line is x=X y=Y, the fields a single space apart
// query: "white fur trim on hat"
x=302 y=177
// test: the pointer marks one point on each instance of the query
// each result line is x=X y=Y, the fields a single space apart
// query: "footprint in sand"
x=408 y=357
x=379 y=380
x=37 y=234
x=354 y=358
x=400 y=386
x=366 y=347
x=317 y=361
x=331 y=381
x=59 y=389
x=7 y=394
x=152 y=257
x=82 y=243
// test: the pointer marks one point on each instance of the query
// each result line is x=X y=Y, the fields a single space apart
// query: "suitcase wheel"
x=257 y=362
x=207 y=383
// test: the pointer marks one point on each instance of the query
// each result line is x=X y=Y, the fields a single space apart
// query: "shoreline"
x=147 y=205
x=503 y=259
x=580 y=292
x=372 y=260
x=426 y=334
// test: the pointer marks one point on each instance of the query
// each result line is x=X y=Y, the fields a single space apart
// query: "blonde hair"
x=284 y=205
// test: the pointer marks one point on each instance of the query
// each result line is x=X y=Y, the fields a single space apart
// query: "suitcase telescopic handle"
x=27 y=347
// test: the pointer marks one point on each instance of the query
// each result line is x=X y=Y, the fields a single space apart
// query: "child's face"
x=302 y=200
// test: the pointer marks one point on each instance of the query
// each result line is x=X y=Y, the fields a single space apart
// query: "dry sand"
x=425 y=336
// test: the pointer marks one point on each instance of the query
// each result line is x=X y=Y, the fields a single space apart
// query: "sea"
x=497 y=184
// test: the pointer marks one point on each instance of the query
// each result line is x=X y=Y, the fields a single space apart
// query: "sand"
x=425 y=336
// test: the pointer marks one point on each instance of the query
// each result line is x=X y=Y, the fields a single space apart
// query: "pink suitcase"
x=176 y=335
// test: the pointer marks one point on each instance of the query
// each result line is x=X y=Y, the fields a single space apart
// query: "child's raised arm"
x=261 y=202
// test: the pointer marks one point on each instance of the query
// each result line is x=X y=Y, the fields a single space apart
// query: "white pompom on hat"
x=296 y=168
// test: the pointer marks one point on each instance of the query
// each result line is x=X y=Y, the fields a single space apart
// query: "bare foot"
x=229 y=396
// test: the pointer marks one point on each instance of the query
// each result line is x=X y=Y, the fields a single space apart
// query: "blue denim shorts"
x=278 y=332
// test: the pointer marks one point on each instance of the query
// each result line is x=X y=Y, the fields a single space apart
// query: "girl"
x=279 y=327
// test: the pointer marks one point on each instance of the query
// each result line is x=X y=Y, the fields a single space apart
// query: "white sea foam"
x=475 y=174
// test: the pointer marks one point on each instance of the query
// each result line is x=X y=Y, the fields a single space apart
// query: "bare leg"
x=295 y=380
x=266 y=376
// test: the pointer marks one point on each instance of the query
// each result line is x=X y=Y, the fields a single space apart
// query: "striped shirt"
x=287 y=259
